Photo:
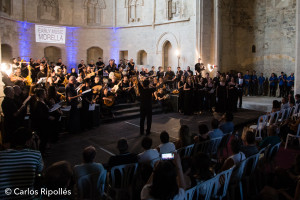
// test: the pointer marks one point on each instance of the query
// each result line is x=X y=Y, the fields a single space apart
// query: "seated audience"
x=201 y=167
x=185 y=137
x=149 y=155
x=203 y=133
x=272 y=138
x=163 y=182
x=284 y=103
x=216 y=132
x=237 y=156
x=124 y=157
x=227 y=126
x=19 y=165
x=165 y=146
x=249 y=148
x=59 y=175
x=276 y=106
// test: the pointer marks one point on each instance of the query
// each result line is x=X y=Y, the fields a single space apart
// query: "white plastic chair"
x=236 y=178
x=277 y=116
x=186 y=151
x=91 y=186
x=283 y=114
x=220 y=190
x=261 y=124
x=201 y=191
x=250 y=167
x=126 y=176
x=289 y=136
x=296 y=111
x=209 y=147
x=189 y=194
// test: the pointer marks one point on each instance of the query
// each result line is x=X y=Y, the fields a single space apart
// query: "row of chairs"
x=273 y=118
x=212 y=147
x=232 y=178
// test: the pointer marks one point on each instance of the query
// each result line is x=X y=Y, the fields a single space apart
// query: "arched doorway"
x=94 y=53
x=52 y=54
x=167 y=55
x=6 y=53
x=142 y=57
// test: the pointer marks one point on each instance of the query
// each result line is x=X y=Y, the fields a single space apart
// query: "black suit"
x=145 y=107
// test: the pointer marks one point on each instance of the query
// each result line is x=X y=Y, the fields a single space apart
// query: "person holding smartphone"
x=163 y=184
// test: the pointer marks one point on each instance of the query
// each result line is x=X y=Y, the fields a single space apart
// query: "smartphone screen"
x=167 y=156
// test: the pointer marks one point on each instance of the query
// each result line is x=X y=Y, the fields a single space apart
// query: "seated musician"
x=163 y=100
x=73 y=73
x=142 y=71
x=59 y=78
x=127 y=91
x=84 y=73
x=96 y=81
x=170 y=78
x=90 y=73
x=147 y=73
x=111 y=67
x=17 y=76
x=42 y=72
x=107 y=101
x=160 y=84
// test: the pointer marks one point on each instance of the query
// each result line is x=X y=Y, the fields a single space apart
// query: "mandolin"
x=28 y=79
x=109 y=101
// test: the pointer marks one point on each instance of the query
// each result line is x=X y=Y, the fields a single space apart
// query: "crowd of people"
x=37 y=89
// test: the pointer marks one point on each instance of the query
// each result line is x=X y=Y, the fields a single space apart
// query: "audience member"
x=203 y=133
x=19 y=165
x=284 y=103
x=216 y=132
x=237 y=156
x=249 y=148
x=149 y=155
x=124 y=157
x=165 y=146
x=227 y=126
x=185 y=137
x=272 y=138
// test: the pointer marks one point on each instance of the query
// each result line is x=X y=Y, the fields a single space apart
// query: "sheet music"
x=55 y=107
x=241 y=81
x=67 y=108
x=86 y=91
x=92 y=107
x=42 y=80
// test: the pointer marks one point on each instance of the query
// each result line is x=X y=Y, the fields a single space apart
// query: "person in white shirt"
x=165 y=146
x=149 y=155
x=237 y=156
x=284 y=103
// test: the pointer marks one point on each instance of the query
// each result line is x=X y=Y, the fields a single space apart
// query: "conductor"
x=146 y=105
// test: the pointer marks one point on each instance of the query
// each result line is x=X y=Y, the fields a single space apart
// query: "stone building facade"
x=259 y=35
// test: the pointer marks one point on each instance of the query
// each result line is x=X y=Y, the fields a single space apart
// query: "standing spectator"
x=290 y=83
x=247 y=79
x=253 y=85
x=261 y=80
x=282 y=84
x=240 y=83
x=273 y=81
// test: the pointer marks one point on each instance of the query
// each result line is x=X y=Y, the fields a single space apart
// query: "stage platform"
x=260 y=103
x=105 y=137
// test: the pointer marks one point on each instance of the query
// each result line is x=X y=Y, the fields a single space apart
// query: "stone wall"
x=110 y=25
x=270 y=25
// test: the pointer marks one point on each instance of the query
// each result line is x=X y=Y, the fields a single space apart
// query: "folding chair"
x=289 y=136
x=220 y=190
x=261 y=124
x=236 y=179
x=250 y=168
x=186 y=151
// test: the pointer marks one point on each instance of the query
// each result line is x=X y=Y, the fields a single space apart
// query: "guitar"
x=92 y=73
x=116 y=87
x=28 y=79
x=109 y=101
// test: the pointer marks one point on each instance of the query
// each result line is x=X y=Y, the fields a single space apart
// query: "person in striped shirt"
x=19 y=167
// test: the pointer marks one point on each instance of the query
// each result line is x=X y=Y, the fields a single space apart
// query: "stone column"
x=297 y=66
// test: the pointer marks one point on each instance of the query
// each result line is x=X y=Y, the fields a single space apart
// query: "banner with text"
x=50 y=34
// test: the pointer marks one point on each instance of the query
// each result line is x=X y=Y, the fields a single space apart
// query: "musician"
x=126 y=90
x=147 y=73
x=188 y=96
x=100 y=65
x=41 y=120
x=92 y=65
x=60 y=63
x=87 y=99
x=142 y=71
x=146 y=105
x=84 y=73
x=134 y=72
x=240 y=84
x=17 y=76
x=163 y=100
x=73 y=72
x=81 y=66
x=15 y=63
x=161 y=84
x=96 y=81
x=112 y=83
x=131 y=65
x=189 y=72
x=170 y=77
x=152 y=71
x=72 y=100
x=179 y=73
x=160 y=73
x=180 y=86
x=59 y=78
x=106 y=96
x=41 y=72
x=199 y=67
x=111 y=67
x=12 y=114
x=122 y=64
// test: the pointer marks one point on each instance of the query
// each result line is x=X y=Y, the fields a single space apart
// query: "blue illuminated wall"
x=115 y=45
x=72 y=44
x=25 y=30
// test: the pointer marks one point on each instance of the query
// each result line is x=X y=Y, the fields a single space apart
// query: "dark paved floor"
x=105 y=137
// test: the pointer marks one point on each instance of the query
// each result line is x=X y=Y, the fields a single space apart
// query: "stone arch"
x=162 y=40
x=167 y=55
x=52 y=54
x=142 y=57
x=6 y=53
x=93 y=53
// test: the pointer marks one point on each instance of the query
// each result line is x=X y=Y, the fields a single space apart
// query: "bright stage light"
x=177 y=52
x=6 y=68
